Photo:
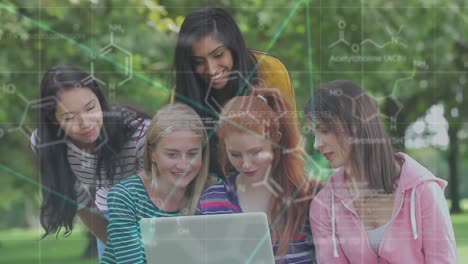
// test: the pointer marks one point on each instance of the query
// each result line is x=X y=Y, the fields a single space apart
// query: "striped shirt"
x=128 y=203
x=83 y=165
x=222 y=199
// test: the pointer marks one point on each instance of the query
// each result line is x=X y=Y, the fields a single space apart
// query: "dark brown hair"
x=349 y=112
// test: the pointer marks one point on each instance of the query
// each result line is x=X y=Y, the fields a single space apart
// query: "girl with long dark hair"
x=83 y=145
x=212 y=64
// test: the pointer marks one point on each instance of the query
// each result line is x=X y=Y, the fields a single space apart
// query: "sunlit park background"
x=411 y=55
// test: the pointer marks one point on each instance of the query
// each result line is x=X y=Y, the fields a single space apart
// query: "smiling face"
x=330 y=145
x=79 y=114
x=212 y=61
x=250 y=155
x=178 y=158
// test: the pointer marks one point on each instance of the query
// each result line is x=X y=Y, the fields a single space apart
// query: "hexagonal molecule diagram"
x=24 y=127
x=213 y=104
x=111 y=56
x=391 y=101
x=246 y=86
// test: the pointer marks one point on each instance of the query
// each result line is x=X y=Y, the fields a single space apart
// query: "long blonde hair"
x=178 y=117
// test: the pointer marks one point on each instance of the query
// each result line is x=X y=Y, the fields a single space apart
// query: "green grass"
x=460 y=226
x=20 y=246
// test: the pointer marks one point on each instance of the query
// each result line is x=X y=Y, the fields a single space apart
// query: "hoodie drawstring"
x=413 y=213
x=413 y=220
x=335 y=250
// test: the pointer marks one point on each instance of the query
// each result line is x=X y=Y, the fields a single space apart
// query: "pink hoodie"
x=420 y=232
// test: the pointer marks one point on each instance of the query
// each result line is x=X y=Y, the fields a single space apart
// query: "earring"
x=278 y=135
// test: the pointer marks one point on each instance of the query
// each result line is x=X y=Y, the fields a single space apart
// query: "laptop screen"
x=208 y=239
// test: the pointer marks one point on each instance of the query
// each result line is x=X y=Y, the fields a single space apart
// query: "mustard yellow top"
x=272 y=72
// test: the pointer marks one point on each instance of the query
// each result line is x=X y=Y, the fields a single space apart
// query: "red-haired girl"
x=260 y=139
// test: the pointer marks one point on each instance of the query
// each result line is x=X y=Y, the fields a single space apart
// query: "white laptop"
x=208 y=239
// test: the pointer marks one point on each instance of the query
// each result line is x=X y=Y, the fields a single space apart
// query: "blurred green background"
x=411 y=55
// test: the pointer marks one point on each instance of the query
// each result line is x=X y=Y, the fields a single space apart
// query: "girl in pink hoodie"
x=378 y=206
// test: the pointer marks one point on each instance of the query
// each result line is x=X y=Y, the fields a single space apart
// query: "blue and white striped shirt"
x=128 y=203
